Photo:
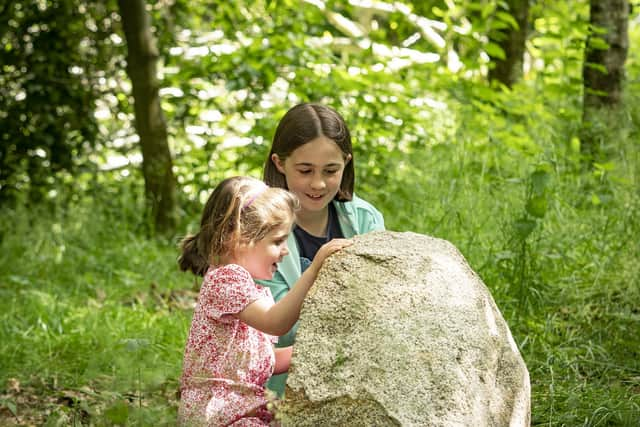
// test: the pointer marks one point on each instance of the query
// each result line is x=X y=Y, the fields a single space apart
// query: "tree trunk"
x=160 y=184
x=508 y=70
x=603 y=71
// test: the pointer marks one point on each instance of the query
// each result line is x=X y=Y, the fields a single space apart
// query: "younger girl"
x=312 y=157
x=229 y=355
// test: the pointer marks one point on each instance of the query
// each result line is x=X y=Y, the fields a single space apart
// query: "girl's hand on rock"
x=330 y=248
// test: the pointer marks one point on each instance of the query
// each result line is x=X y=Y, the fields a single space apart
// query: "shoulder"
x=362 y=204
x=228 y=289
x=355 y=205
x=361 y=213
x=228 y=273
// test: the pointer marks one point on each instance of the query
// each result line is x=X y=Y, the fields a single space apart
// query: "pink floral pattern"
x=226 y=362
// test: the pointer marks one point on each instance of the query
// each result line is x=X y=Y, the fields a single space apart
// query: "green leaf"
x=494 y=51
x=487 y=10
x=598 y=29
x=601 y=93
x=609 y=166
x=539 y=181
x=537 y=206
x=575 y=144
x=524 y=227
x=597 y=43
x=507 y=17
x=11 y=406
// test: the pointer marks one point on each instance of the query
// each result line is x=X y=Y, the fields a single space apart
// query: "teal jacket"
x=355 y=217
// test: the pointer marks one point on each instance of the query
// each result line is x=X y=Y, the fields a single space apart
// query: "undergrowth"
x=93 y=317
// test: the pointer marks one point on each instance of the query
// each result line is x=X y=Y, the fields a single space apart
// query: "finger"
x=343 y=243
x=334 y=247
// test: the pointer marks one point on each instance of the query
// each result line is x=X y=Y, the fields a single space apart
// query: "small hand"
x=329 y=248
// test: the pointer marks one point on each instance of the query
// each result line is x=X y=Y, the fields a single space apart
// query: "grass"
x=94 y=314
x=93 y=320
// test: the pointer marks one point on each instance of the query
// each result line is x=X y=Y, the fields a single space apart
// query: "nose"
x=284 y=251
x=318 y=182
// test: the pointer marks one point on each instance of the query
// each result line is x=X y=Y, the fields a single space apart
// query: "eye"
x=331 y=171
x=304 y=171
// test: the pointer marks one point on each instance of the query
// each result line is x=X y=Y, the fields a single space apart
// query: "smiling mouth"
x=315 y=197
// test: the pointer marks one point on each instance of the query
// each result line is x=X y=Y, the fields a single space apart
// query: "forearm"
x=285 y=312
x=278 y=318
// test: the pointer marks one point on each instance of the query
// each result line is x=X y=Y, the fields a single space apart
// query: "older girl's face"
x=313 y=172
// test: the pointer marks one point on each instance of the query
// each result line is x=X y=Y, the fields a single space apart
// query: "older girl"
x=312 y=157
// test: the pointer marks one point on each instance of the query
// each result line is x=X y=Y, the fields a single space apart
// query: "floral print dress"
x=226 y=362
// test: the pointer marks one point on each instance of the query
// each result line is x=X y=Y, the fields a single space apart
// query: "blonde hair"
x=240 y=210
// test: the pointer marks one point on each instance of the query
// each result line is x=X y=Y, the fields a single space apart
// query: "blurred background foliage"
x=229 y=71
x=93 y=312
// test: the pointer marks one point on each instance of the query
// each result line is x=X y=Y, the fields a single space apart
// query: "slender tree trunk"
x=508 y=70
x=603 y=67
x=160 y=184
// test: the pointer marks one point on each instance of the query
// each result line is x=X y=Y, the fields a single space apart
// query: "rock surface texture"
x=399 y=331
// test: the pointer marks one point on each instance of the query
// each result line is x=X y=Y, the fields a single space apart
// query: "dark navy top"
x=309 y=244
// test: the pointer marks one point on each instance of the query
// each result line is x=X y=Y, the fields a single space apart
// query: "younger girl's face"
x=261 y=258
x=313 y=172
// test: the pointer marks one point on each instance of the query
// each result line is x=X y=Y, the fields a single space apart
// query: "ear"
x=276 y=161
x=347 y=159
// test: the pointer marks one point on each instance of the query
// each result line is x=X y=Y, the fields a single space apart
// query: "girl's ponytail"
x=192 y=258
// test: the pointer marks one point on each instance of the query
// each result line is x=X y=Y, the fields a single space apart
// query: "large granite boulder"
x=399 y=331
